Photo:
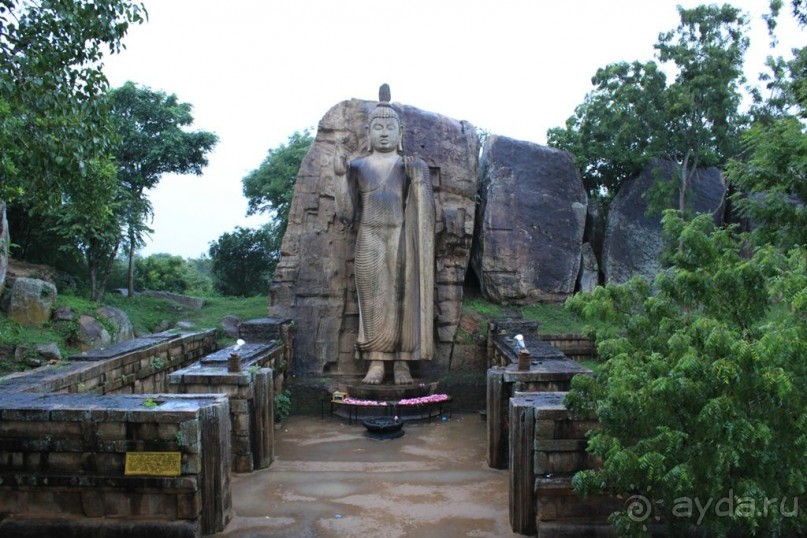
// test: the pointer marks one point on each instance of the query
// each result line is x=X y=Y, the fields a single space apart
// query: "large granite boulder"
x=229 y=324
x=90 y=334
x=124 y=330
x=531 y=222
x=313 y=283
x=31 y=301
x=194 y=303
x=634 y=239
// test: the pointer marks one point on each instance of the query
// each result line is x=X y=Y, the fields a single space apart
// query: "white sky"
x=256 y=71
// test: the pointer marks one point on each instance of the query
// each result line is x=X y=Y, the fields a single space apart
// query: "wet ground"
x=330 y=479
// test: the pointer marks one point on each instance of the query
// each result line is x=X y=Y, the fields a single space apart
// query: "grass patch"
x=483 y=307
x=591 y=364
x=147 y=314
x=552 y=318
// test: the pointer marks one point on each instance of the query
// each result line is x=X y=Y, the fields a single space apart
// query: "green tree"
x=701 y=395
x=269 y=187
x=92 y=230
x=152 y=141
x=633 y=114
x=53 y=123
x=772 y=172
x=242 y=262
x=165 y=272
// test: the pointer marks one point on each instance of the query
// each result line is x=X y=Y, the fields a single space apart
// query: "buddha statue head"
x=384 y=129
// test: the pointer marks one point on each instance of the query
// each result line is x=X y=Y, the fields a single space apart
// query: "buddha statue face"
x=385 y=134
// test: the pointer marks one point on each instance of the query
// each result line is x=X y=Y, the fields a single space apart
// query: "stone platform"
x=387 y=394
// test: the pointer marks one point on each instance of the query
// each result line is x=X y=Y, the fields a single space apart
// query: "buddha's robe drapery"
x=394 y=260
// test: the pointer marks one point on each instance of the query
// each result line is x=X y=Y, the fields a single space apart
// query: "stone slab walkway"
x=329 y=479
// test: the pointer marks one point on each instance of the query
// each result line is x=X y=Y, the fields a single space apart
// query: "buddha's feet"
x=375 y=374
x=402 y=374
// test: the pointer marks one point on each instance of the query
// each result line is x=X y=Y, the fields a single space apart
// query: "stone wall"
x=575 y=346
x=549 y=371
x=62 y=460
x=134 y=367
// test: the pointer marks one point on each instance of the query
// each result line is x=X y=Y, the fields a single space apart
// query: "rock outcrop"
x=31 y=301
x=229 y=324
x=194 y=303
x=530 y=223
x=313 y=283
x=634 y=240
x=48 y=352
x=124 y=330
x=90 y=334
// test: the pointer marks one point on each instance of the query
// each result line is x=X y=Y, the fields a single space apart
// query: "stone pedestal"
x=389 y=393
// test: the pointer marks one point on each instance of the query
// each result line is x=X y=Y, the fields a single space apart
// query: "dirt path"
x=330 y=479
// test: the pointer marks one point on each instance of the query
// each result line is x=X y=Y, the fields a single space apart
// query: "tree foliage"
x=53 y=122
x=164 y=272
x=152 y=140
x=633 y=114
x=772 y=172
x=701 y=395
x=269 y=187
x=242 y=261
x=54 y=125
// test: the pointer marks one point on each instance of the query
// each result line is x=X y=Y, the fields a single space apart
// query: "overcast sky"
x=255 y=71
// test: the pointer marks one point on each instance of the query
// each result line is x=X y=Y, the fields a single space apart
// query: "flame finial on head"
x=384 y=95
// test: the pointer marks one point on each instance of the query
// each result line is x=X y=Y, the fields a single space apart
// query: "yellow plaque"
x=153 y=463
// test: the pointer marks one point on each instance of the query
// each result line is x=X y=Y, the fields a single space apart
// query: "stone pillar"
x=214 y=482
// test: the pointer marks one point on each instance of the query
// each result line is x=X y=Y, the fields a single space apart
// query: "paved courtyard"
x=330 y=479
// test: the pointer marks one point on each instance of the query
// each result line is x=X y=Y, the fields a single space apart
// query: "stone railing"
x=68 y=430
